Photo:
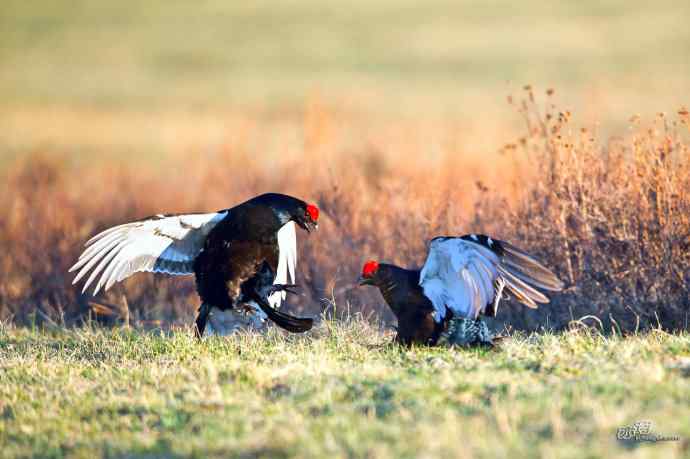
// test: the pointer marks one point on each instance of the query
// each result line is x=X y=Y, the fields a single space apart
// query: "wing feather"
x=165 y=244
x=287 y=261
x=523 y=286
x=460 y=274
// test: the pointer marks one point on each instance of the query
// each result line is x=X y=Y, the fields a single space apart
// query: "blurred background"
x=149 y=78
x=403 y=120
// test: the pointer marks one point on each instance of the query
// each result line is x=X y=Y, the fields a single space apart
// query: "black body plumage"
x=400 y=288
x=240 y=258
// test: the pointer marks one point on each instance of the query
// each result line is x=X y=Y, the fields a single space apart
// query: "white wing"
x=287 y=261
x=467 y=274
x=159 y=244
x=458 y=275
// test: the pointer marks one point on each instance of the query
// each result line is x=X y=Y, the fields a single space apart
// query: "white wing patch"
x=459 y=275
x=160 y=244
x=287 y=261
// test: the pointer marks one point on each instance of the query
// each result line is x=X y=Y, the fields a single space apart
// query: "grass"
x=342 y=391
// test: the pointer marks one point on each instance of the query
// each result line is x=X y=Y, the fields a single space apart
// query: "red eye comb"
x=370 y=267
x=313 y=212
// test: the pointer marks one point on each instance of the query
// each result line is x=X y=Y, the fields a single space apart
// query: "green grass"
x=339 y=392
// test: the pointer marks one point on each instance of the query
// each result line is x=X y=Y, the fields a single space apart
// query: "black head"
x=288 y=208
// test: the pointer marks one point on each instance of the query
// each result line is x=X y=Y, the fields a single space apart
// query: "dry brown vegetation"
x=610 y=215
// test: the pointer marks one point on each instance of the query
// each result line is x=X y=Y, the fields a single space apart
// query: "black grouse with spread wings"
x=462 y=278
x=244 y=254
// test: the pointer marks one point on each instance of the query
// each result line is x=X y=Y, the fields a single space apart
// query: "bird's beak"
x=307 y=225
x=361 y=280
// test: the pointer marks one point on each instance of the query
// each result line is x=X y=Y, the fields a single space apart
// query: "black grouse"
x=241 y=257
x=462 y=278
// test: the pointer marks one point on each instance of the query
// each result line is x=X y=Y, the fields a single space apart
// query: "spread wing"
x=467 y=275
x=287 y=261
x=162 y=244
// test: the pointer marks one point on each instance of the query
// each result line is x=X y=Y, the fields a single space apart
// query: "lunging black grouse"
x=462 y=278
x=242 y=257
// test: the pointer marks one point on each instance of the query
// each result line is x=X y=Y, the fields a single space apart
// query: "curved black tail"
x=290 y=323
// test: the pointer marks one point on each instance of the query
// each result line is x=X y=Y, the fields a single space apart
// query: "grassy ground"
x=341 y=392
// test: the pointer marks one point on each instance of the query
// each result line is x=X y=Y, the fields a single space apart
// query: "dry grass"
x=611 y=215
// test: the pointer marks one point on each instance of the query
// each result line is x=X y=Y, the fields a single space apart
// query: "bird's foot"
x=289 y=288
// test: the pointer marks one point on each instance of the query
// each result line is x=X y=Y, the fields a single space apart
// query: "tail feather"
x=462 y=331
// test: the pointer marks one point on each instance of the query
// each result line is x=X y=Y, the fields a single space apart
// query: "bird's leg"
x=246 y=309
x=201 y=320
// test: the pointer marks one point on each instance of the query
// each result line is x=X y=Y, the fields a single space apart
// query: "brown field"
x=391 y=115
x=610 y=214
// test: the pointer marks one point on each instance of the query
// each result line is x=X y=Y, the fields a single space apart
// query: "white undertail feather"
x=160 y=244
x=465 y=276
x=287 y=261
x=462 y=331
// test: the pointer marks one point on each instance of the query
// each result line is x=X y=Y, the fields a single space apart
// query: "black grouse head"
x=288 y=208
x=370 y=273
